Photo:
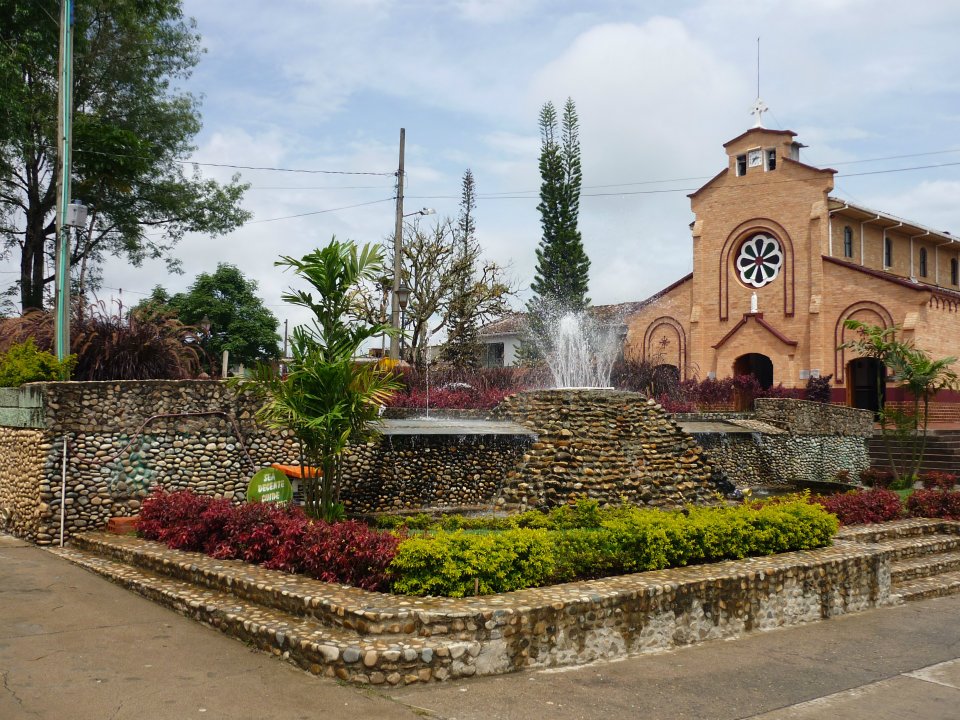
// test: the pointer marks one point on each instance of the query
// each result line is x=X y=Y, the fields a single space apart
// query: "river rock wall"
x=608 y=445
x=125 y=438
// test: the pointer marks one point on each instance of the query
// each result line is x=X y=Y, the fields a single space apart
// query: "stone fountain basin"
x=451 y=426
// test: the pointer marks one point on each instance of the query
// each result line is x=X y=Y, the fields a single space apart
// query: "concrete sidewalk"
x=75 y=646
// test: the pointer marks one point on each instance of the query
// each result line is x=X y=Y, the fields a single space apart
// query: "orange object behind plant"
x=295 y=471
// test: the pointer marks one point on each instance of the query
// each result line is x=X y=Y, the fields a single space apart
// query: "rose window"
x=759 y=260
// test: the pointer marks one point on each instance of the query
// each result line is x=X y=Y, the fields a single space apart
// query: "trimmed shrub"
x=586 y=542
x=347 y=552
x=819 y=389
x=861 y=507
x=457 y=564
x=876 y=477
x=934 y=504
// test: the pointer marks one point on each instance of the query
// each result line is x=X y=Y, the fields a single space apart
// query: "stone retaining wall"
x=793 y=441
x=803 y=417
x=378 y=638
x=126 y=437
x=23 y=452
x=752 y=459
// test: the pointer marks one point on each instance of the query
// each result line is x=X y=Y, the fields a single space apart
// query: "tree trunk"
x=32 y=265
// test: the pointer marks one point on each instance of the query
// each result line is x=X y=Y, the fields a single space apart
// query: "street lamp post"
x=403 y=296
x=398 y=255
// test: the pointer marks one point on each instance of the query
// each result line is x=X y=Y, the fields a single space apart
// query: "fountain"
x=579 y=352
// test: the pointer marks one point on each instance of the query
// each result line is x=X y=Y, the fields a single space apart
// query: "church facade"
x=779 y=264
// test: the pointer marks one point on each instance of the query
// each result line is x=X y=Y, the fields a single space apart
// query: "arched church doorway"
x=760 y=367
x=866 y=383
x=757 y=365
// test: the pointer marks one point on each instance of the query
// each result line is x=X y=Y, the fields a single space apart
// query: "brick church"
x=779 y=264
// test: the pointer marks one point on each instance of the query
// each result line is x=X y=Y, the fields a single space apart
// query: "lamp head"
x=403 y=296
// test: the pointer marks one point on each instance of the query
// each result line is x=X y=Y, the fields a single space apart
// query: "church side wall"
x=660 y=332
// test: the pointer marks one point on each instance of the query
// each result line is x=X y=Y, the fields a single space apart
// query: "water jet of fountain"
x=579 y=352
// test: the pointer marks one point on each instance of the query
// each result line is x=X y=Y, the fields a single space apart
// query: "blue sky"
x=660 y=86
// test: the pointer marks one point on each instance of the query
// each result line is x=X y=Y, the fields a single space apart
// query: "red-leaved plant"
x=934 y=504
x=935 y=480
x=277 y=537
x=861 y=507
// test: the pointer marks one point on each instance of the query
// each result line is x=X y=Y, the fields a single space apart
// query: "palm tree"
x=327 y=399
x=918 y=374
x=923 y=377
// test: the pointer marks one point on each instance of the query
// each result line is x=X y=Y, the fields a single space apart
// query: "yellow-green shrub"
x=457 y=564
x=627 y=540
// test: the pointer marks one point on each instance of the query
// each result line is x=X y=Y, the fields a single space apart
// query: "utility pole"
x=64 y=142
x=397 y=257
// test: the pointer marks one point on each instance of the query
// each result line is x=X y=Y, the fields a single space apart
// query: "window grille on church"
x=847 y=242
x=923 y=262
x=741 y=165
x=887 y=252
x=954 y=272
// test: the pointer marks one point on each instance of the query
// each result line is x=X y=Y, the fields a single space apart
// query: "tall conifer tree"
x=462 y=349
x=561 y=280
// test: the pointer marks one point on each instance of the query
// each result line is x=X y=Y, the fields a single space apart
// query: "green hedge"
x=584 y=542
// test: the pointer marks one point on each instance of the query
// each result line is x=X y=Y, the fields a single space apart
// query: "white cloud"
x=932 y=203
x=654 y=104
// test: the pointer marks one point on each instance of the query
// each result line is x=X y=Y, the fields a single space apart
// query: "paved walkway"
x=75 y=646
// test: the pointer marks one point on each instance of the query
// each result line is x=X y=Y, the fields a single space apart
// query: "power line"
x=691 y=189
x=242 y=167
x=316 y=187
x=319 y=212
x=508 y=194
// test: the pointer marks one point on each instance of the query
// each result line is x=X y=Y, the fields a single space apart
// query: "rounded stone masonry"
x=612 y=446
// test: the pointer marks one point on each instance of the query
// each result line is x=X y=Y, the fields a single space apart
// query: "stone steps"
x=904 y=571
x=929 y=587
x=374 y=638
x=923 y=546
x=314 y=646
x=910 y=527
x=942 y=452
x=924 y=554
x=335 y=606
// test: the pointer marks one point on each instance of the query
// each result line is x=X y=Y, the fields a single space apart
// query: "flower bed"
x=880 y=504
x=468 y=556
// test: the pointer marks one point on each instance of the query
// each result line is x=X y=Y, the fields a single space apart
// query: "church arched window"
x=847 y=242
x=887 y=252
x=923 y=262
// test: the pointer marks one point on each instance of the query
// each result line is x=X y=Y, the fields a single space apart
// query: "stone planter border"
x=378 y=638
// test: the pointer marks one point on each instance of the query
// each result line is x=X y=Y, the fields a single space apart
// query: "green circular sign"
x=270 y=485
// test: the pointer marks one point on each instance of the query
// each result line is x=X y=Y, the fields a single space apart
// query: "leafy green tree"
x=132 y=133
x=327 y=399
x=238 y=320
x=917 y=373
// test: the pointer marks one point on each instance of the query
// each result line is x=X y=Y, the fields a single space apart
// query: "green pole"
x=62 y=298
